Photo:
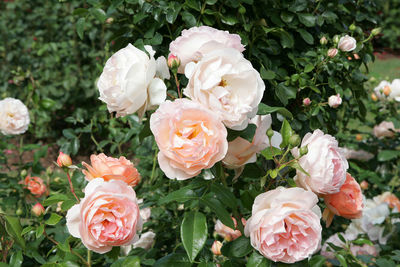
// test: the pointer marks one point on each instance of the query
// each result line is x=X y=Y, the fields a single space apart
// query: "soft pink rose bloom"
x=226 y=83
x=332 y=52
x=285 y=224
x=334 y=101
x=35 y=185
x=241 y=151
x=348 y=202
x=64 y=160
x=196 y=41
x=306 y=101
x=38 y=209
x=190 y=138
x=216 y=248
x=107 y=216
x=385 y=129
x=110 y=168
x=226 y=232
x=361 y=155
x=324 y=163
x=347 y=43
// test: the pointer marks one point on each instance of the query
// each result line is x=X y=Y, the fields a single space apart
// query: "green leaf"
x=54 y=199
x=317 y=261
x=98 y=13
x=219 y=210
x=54 y=219
x=16 y=259
x=257 y=260
x=80 y=11
x=75 y=146
x=181 y=195
x=264 y=109
x=307 y=19
x=193 y=233
x=362 y=241
x=224 y=195
x=27 y=230
x=145 y=131
x=39 y=231
x=246 y=134
x=284 y=93
x=286 y=39
x=193 y=4
x=207 y=264
x=309 y=67
x=286 y=132
x=229 y=20
x=64 y=246
x=80 y=27
x=14 y=229
x=386 y=155
x=341 y=259
x=306 y=36
x=297 y=166
x=133 y=261
x=188 y=18
x=271 y=152
x=287 y=17
x=267 y=74
x=174 y=259
x=238 y=248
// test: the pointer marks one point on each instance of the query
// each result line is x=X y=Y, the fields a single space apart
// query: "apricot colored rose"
x=35 y=185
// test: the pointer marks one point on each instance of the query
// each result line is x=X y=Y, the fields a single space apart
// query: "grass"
x=385 y=69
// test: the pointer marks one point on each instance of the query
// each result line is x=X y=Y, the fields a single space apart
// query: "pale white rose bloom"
x=145 y=241
x=385 y=129
x=361 y=155
x=395 y=90
x=347 y=43
x=145 y=213
x=129 y=81
x=378 y=90
x=334 y=101
x=241 y=151
x=14 y=116
x=227 y=84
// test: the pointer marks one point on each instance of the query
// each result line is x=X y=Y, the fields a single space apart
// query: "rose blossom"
x=324 y=163
x=306 y=101
x=332 y=52
x=226 y=232
x=347 y=43
x=38 y=209
x=190 y=138
x=385 y=129
x=196 y=41
x=361 y=155
x=14 y=116
x=378 y=90
x=216 y=248
x=35 y=185
x=110 y=168
x=107 y=216
x=390 y=199
x=348 y=202
x=334 y=101
x=241 y=151
x=128 y=82
x=395 y=90
x=226 y=83
x=64 y=160
x=285 y=224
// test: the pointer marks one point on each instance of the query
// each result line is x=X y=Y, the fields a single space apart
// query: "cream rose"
x=395 y=90
x=107 y=216
x=128 y=82
x=190 y=138
x=334 y=101
x=226 y=83
x=194 y=42
x=285 y=224
x=324 y=163
x=14 y=116
x=347 y=43
x=385 y=129
x=241 y=151
x=378 y=90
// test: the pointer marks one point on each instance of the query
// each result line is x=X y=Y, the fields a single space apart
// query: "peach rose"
x=241 y=151
x=216 y=248
x=285 y=224
x=226 y=232
x=110 y=168
x=35 y=185
x=348 y=202
x=194 y=42
x=107 y=216
x=324 y=163
x=190 y=138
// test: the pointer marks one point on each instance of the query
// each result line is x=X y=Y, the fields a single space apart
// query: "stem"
x=177 y=85
x=153 y=169
x=96 y=143
x=89 y=257
x=71 y=186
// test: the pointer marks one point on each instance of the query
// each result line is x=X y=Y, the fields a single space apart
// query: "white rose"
x=324 y=163
x=145 y=213
x=14 y=116
x=334 y=101
x=145 y=241
x=241 y=151
x=347 y=43
x=226 y=83
x=395 y=90
x=378 y=90
x=128 y=82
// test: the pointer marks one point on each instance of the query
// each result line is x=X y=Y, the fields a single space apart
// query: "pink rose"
x=38 y=209
x=64 y=160
x=226 y=232
x=107 y=216
x=347 y=43
x=285 y=224
x=334 y=101
x=35 y=185
x=216 y=248
x=110 y=168
x=385 y=129
x=195 y=41
x=324 y=163
x=190 y=138
x=241 y=151
x=348 y=202
x=332 y=52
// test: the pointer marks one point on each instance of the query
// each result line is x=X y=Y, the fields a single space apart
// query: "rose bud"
x=216 y=248
x=359 y=137
x=38 y=209
x=64 y=160
x=376 y=31
x=356 y=56
x=374 y=97
x=364 y=185
x=349 y=58
x=334 y=101
x=306 y=101
x=336 y=39
x=332 y=52
x=387 y=90
x=173 y=61
x=323 y=40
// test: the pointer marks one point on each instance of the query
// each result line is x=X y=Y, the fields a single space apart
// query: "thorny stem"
x=71 y=186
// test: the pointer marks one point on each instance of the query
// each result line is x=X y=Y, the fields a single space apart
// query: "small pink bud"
x=216 y=248
x=332 y=52
x=364 y=185
x=323 y=40
x=38 y=209
x=64 y=160
x=10 y=81
x=306 y=101
x=356 y=56
x=173 y=61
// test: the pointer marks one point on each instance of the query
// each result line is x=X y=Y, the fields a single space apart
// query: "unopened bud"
x=336 y=39
x=294 y=140
x=356 y=56
x=306 y=101
x=38 y=209
x=332 y=52
x=387 y=90
x=376 y=31
x=364 y=185
x=270 y=133
x=173 y=61
x=64 y=160
x=359 y=137
x=216 y=248
x=19 y=212
x=374 y=97
x=109 y=20
x=352 y=27
x=303 y=150
x=24 y=173
x=323 y=40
